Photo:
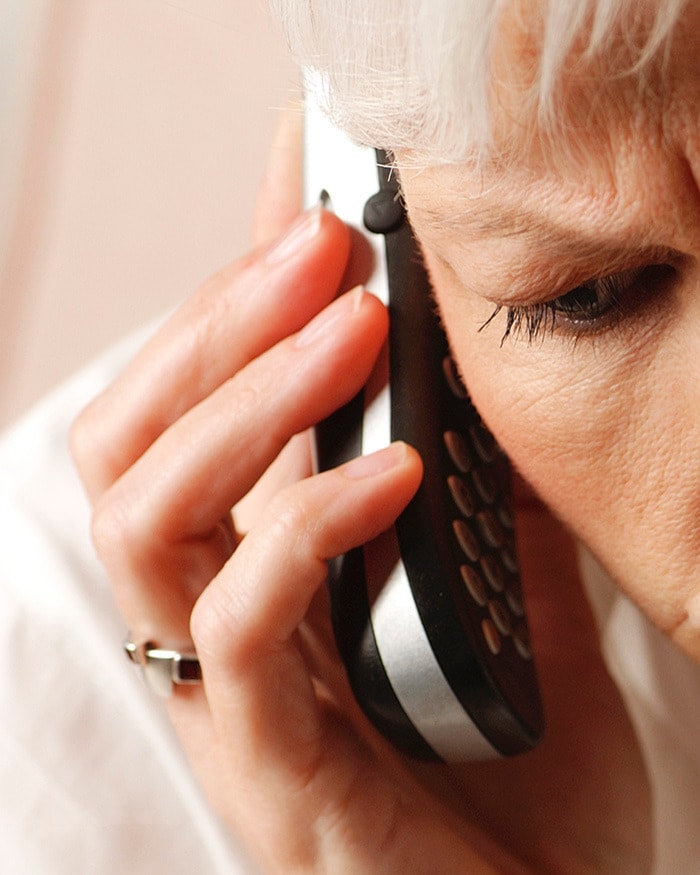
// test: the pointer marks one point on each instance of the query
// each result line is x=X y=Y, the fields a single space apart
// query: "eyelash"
x=589 y=308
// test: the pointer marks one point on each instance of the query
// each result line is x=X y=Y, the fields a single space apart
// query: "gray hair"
x=419 y=75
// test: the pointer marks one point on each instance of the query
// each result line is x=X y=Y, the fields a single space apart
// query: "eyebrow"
x=531 y=229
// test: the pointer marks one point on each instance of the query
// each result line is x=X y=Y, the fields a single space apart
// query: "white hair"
x=419 y=74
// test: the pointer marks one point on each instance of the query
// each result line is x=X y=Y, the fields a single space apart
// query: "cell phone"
x=429 y=619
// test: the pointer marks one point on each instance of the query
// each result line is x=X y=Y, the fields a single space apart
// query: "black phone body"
x=429 y=618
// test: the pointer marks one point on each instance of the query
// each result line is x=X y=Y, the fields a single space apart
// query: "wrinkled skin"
x=212 y=416
x=601 y=416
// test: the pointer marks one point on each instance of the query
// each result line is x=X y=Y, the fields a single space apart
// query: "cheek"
x=608 y=437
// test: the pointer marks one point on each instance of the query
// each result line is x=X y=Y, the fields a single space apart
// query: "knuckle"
x=250 y=395
x=89 y=446
x=113 y=531
x=215 y=311
x=207 y=628
x=230 y=622
x=292 y=525
x=82 y=436
x=221 y=632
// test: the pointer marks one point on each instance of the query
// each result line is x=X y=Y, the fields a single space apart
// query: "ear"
x=280 y=197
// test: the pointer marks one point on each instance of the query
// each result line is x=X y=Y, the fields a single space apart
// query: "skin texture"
x=212 y=415
x=601 y=418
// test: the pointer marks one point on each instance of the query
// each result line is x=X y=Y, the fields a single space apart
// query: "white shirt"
x=92 y=779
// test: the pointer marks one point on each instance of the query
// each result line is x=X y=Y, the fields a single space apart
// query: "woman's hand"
x=212 y=415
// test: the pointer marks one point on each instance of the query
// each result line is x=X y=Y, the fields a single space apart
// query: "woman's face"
x=594 y=394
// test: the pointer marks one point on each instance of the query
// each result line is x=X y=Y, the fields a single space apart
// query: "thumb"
x=280 y=196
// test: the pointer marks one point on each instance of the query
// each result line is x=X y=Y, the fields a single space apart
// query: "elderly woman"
x=548 y=155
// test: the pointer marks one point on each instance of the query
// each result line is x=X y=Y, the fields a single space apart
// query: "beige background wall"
x=148 y=122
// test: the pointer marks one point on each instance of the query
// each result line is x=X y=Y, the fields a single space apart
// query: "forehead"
x=619 y=146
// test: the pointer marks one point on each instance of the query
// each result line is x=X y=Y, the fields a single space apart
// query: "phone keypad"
x=484 y=531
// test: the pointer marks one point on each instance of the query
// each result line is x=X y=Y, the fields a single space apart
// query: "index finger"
x=236 y=316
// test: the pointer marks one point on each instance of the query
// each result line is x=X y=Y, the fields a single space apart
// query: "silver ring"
x=163 y=669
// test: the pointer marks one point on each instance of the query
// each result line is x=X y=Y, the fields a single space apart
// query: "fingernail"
x=375 y=463
x=301 y=232
x=340 y=309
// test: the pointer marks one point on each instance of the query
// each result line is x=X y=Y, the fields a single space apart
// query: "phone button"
x=500 y=617
x=490 y=633
x=467 y=541
x=458 y=450
x=474 y=584
x=454 y=381
x=485 y=484
x=521 y=639
x=462 y=495
x=514 y=600
x=493 y=571
x=383 y=213
x=509 y=560
x=491 y=529
x=484 y=443
x=505 y=515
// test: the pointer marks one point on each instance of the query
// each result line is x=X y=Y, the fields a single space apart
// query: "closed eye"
x=591 y=307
